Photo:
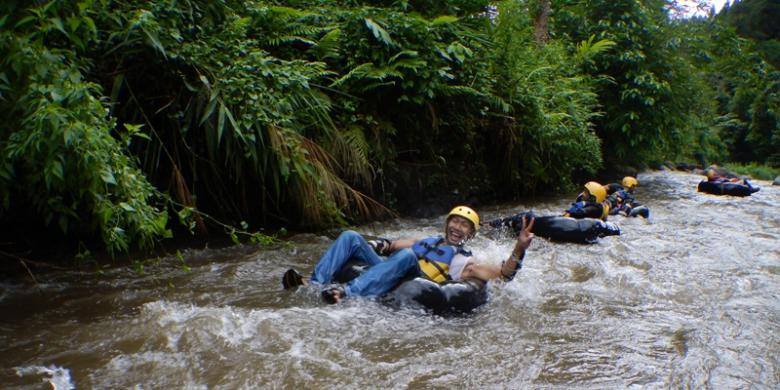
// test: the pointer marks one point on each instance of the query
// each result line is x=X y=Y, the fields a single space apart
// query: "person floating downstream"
x=591 y=203
x=718 y=183
x=621 y=198
x=627 y=185
x=438 y=258
x=714 y=177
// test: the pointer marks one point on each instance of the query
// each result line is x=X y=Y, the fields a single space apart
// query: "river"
x=687 y=299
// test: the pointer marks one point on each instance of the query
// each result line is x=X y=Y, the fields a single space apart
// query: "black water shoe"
x=291 y=279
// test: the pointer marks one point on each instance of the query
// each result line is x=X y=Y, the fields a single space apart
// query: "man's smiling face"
x=458 y=230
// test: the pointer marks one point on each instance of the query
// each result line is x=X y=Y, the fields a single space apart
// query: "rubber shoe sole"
x=292 y=279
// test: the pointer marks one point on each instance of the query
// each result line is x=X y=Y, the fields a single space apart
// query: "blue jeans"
x=380 y=277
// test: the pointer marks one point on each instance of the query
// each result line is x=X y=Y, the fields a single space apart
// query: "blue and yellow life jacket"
x=626 y=200
x=576 y=208
x=435 y=257
x=626 y=196
x=579 y=208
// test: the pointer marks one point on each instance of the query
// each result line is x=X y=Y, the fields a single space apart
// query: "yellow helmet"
x=596 y=190
x=711 y=174
x=629 y=182
x=466 y=212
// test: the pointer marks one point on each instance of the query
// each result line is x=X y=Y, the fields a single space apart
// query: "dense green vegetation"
x=757 y=20
x=754 y=170
x=753 y=99
x=119 y=118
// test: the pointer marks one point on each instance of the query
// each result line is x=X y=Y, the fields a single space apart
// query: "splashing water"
x=686 y=299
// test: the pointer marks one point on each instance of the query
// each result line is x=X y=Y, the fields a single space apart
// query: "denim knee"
x=408 y=256
x=348 y=235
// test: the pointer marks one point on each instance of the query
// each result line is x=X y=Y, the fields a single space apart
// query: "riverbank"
x=756 y=171
x=25 y=264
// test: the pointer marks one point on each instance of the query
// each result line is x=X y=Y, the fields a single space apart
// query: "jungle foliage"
x=742 y=88
x=119 y=117
x=748 y=92
x=644 y=84
x=756 y=20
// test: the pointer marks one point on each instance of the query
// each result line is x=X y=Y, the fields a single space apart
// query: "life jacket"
x=576 y=207
x=613 y=187
x=620 y=200
x=435 y=257
x=722 y=179
x=626 y=196
x=579 y=207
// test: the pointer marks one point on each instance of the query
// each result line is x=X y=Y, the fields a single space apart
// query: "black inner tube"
x=449 y=298
x=726 y=188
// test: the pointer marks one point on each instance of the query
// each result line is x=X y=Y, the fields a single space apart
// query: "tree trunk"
x=541 y=34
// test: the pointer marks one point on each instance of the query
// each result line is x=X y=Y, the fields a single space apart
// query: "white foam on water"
x=169 y=369
x=58 y=377
x=125 y=363
x=688 y=299
x=224 y=323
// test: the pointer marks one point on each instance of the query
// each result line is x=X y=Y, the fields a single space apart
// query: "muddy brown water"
x=687 y=299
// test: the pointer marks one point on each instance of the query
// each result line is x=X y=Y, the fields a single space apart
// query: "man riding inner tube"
x=622 y=201
x=591 y=203
x=720 y=185
x=628 y=184
x=435 y=259
x=712 y=176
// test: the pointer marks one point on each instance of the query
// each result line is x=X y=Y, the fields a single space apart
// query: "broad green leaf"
x=74 y=23
x=91 y=24
x=24 y=21
x=63 y=222
x=236 y=129
x=209 y=111
x=404 y=53
x=57 y=22
x=379 y=32
x=56 y=170
x=126 y=207
x=444 y=19
x=291 y=12
x=108 y=176
x=152 y=37
x=220 y=122
x=117 y=86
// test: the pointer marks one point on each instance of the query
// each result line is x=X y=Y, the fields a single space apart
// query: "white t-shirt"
x=456 y=265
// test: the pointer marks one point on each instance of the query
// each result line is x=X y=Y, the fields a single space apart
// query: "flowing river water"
x=687 y=299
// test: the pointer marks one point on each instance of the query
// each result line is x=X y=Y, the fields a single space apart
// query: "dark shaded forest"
x=124 y=124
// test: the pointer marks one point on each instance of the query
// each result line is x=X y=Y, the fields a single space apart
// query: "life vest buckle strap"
x=439 y=268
